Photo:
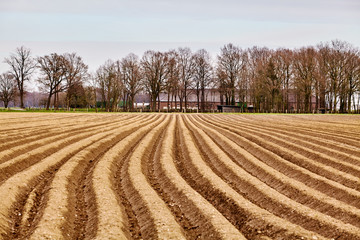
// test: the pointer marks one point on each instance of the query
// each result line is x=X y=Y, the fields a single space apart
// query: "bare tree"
x=324 y=88
x=155 y=74
x=110 y=84
x=132 y=77
x=22 y=65
x=52 y=68
x=89 y=96
x=352 y=76
x=186 y=71
x=258 y=59
x=269 y=79
x=172 y=81
x=334 y=61
x=220 y=84
x=305 y=70
x=231 y=61
x=273 y=81
x=75 y=73
x=78 y=96
x=7 y=88
x=202 y=75
x=283 y=59
x=103 y=87
x=93 y=80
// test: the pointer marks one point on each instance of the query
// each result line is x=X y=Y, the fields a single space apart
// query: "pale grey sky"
x=101 y=29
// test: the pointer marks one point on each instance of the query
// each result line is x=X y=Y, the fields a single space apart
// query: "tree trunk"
x=153 y=106
x=233 y=96
x=198 y=99
x=95 y=100
x=21 y=91
x=175 y=102
x=185 y=98
x=202 y=99
x=48 y=101
x=181 y=103
x=57 y=100
x=287 y=95
x=54 y=103
x=22 y=99
x=349 y=100
x=68 y=99
x=168 y=102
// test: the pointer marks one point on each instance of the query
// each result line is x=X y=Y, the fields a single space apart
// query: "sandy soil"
x=179 y=176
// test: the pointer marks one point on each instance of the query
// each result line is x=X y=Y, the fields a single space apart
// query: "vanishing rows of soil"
x=179 y=176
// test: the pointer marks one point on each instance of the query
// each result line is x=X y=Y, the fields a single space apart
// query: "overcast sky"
x=101 y=29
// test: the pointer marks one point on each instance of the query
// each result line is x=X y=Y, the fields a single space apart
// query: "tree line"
x=325 y=76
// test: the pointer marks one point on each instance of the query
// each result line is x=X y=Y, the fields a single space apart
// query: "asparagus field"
x=179 y=176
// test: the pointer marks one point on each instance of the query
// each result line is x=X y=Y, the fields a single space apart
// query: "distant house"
x=294 y=104
x=142 y=101
x=229 y=108
x=212 y=99
x=212 y=102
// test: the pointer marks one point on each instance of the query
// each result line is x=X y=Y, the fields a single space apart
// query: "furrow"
x=298 y=159
x=155 y=219
x=255 y=220
x=22 y=125
x=203 y=216
x=313 y=129
x=292 y=188
x=265 y=196
x=21 y=184
x=27 y=159
x=74 y=129
x=312 y=180
x=49 y=131
x=29 y=118
x=48 y=195
x=340 y=166
x=58 y=219
x=113 y=224
x=324 y=145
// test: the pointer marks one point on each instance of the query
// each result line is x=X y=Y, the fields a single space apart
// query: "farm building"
x=212 y=99
x=229 y=109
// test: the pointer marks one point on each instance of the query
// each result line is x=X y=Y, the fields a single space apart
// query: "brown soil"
x=180 y=176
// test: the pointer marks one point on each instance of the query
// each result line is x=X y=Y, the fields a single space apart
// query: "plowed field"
x=179 y=176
